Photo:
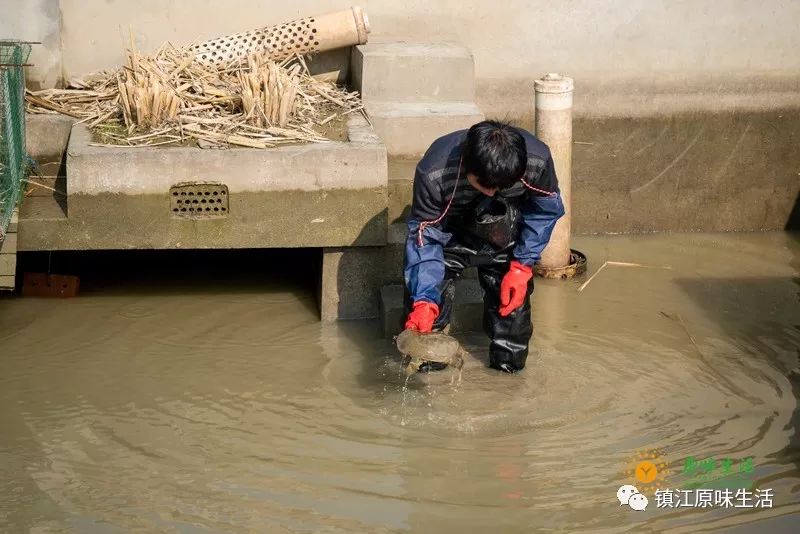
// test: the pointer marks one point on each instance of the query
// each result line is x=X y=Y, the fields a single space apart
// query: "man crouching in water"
x=486 y=197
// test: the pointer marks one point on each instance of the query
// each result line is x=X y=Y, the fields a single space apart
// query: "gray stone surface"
x=408 y=129
x=46 y=137
x=413 y=72
x=8 y=264
x=11 y=243
x=350 y=281
x=256 y=220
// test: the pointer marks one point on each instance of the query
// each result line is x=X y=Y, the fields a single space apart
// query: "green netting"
x=12 y=127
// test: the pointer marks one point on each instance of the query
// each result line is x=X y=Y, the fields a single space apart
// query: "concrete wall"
x=628 y=56
x=701 y=97
x=36 y=20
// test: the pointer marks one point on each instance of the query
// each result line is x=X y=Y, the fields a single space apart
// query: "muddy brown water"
x=221 y=404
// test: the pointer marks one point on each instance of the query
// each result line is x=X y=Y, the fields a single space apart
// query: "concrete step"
x=44 y=222
x=467 y=315
x=413 y=72
x=408 y=129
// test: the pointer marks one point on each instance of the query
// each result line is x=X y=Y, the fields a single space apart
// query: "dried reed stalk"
x=168 y=97
x=619 y=264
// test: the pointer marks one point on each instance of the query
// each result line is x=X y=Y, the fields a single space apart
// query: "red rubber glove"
x=514 y=287
x=422 y=316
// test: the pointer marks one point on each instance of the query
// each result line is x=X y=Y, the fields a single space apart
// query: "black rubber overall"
x=510 y=335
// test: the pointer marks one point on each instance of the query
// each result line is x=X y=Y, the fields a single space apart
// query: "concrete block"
x=352 y=277
x=46 y=137
x=414 y=72
x=8 y=264
x=310 y=195
x=467 y=315
x=350 y=281
x=331 y=65
x=9 y=245
x=408 y=129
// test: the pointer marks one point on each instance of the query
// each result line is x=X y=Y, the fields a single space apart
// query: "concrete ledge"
x=467 y=315
x=359 y=163
x=312 y=195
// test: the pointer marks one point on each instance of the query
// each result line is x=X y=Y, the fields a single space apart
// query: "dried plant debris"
x=171 y=98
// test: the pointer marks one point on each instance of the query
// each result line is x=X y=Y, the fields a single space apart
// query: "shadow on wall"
x=793 y=223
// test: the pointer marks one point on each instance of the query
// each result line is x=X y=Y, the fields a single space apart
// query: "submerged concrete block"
x=408 y=129
x=308 y=195
x=413 y=72
x=350 y=281
x=352 y=276
x=467 y=314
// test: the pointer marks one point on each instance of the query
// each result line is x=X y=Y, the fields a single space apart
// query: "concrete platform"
x=409 y=128
x=467 y=315
x=413 y=72
x=310 y=195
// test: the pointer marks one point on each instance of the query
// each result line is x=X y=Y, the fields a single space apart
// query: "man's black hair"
x=495 y=153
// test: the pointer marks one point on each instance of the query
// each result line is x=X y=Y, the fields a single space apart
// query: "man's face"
x=473 y=181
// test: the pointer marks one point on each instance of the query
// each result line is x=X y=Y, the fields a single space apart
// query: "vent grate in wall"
x=199 y=201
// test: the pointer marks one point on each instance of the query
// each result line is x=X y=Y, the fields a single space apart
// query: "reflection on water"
x=210 y=410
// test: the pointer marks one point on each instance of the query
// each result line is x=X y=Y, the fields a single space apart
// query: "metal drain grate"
x=199 y=201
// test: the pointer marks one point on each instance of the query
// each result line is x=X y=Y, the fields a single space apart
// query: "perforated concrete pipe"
x=303 y=36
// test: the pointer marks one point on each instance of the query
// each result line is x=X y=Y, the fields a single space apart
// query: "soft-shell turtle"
x=429 y=351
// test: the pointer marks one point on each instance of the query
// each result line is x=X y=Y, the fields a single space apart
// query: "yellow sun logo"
x=647 y=469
